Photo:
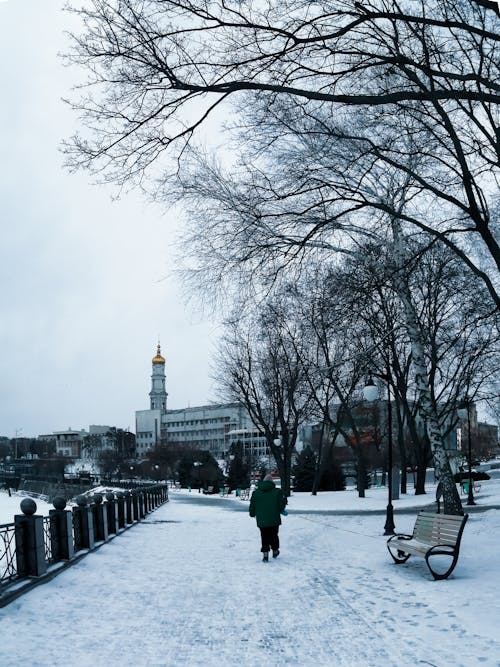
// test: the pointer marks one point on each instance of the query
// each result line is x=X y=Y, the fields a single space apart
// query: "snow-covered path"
x=187 y=587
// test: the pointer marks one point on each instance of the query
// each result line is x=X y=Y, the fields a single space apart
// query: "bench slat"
x=437 y=528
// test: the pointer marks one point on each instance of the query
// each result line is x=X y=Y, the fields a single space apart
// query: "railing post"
x=84 y=525
x=101 y=533
x=150 y=499
x=135 y=505
x=30 y=547
x=112 y=513
x=93 y=516
x=129 y=517
x=61 y=531
x=142 y=509
x=121 y=509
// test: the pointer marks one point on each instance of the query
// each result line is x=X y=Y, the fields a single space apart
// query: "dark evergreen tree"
x=165 y=458
x=184 y=469
x=332 y=476
x=198 y=468
x=109 y=462
x=239 y=471
x=304 y=470
x=363 y=478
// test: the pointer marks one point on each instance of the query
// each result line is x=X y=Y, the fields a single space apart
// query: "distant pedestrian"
x=266 y=505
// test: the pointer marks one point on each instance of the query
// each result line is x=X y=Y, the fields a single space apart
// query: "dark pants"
x=270 y=539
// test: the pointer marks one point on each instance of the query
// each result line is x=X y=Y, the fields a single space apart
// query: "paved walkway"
x=187 y=587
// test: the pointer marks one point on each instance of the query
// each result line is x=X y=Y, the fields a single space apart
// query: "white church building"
x=210 y=427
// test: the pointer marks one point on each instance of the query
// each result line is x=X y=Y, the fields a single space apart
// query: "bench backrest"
x=434 y=528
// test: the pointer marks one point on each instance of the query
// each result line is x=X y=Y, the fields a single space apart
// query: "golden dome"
x=158 y=359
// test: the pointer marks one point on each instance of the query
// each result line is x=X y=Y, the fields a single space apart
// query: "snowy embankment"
x=187 y=587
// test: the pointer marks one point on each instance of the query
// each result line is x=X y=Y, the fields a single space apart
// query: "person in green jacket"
x=266 y=505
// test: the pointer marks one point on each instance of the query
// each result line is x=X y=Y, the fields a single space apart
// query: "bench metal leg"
x=439 y=552
x=398 y=545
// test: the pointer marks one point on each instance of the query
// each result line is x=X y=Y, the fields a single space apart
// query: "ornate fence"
x=8 y=569
x=30 y=545
x=47 y=540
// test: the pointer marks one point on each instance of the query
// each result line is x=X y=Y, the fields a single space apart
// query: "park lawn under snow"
x=187 y=587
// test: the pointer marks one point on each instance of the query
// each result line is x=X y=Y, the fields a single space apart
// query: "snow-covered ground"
x=187 y=587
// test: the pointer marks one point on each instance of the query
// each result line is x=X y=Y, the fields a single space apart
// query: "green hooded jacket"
x=267 y=503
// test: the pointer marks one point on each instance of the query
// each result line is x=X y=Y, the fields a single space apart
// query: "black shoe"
x=265 y=556
x=276 y=553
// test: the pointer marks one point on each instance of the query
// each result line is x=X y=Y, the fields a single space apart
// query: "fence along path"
x=33 y=547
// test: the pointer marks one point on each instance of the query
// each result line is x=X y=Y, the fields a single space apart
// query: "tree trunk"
x=451 y=498
x=317 y=471
x=421 y=473
x=423 y=456
x=287 y=469
x=360 y=472
x=402 y=450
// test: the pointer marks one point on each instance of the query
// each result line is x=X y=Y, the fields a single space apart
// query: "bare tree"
x=260 y=368
x=426 y=71
x=457 y=327
x=421 y=78
x=331 y=362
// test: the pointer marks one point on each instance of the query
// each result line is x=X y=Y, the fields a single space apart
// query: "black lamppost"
x=18 y=432
x=370 y=392
x=197 y=465
x=463 y=412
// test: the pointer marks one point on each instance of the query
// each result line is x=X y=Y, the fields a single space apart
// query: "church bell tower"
x=158 y=394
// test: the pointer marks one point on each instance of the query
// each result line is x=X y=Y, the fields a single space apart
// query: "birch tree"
x=457 y=327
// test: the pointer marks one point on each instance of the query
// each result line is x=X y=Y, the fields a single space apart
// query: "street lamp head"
x=370 y=391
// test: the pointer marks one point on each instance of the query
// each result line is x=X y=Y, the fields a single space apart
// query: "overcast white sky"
x=85 y=284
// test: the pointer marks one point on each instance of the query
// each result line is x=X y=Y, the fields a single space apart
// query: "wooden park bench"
x=433 y=535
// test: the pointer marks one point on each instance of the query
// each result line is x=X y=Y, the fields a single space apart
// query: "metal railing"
x=32 y=543
x=47 y=539
x=8 y=565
